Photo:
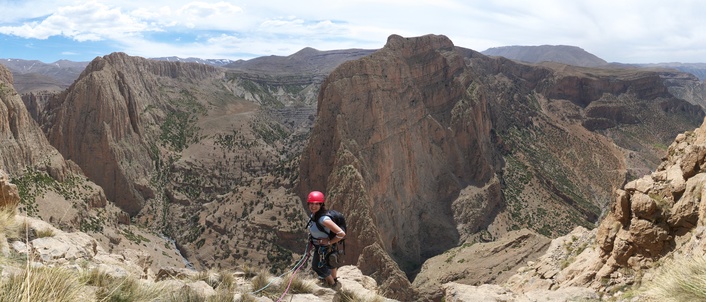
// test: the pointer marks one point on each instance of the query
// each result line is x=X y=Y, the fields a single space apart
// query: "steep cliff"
x=426 y=146
x=101 y=122
x=49 y=187
x=22 y=142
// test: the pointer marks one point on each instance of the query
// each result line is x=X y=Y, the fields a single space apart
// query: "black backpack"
x=340 y=220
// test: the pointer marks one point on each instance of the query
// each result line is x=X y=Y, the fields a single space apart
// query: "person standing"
x=323 y=243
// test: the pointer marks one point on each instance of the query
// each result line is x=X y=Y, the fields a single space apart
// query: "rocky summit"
x=460 y=175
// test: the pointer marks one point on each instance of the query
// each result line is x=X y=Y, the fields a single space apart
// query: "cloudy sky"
x=627 y=31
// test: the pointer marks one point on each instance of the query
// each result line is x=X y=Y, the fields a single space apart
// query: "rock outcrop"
x=658 y=213
x=500 y=259
x=426 y=146
x=656 y=217
x=374 y=116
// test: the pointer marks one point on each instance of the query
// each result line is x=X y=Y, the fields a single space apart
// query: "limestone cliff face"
x=425 y=145
x=22 y=142
x=105 y=124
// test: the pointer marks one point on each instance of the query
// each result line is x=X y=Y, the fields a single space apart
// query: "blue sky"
x=626 y=31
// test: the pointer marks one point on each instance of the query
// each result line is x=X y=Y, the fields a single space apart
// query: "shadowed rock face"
x=22 y=142
x=424 y=144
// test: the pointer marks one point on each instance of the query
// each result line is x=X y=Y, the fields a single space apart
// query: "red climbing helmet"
x=315 y=197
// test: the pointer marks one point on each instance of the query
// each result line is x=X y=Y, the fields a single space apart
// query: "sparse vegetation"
x=136 y=238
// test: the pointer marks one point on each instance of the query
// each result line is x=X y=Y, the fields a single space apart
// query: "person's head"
x=315 y=201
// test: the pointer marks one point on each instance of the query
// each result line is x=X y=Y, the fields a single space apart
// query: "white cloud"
x=89 y=21
x=615 y=30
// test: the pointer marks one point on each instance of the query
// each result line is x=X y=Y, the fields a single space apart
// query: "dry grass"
x=262 y=285
x=42 y=284
x=679 y=280
x=7 y=222
x=96 y=277
x=298 y=284
x=128 y=289
x=185 y=294
x=45 y=233
x=350 y=296
x=227 y=281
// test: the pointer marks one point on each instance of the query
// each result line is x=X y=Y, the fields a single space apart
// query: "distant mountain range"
x=571 y=55
x=577 y=56
x=35 y=76
x=214 y=62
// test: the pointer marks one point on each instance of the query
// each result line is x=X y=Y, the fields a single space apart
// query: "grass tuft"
x=126 y=289
x=42 y=284
x=261 y=284
x=679 y=280
x=345 y=295
x=185 y=294
x=298 y=285
x=7 y=222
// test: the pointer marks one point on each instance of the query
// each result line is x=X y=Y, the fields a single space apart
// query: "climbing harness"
x=328 y=255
